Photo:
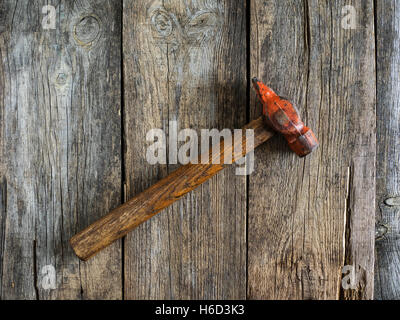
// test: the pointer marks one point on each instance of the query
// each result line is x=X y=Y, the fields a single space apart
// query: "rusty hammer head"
x=283 y=117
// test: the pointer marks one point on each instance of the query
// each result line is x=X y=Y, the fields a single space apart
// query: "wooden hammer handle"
x=145 y=205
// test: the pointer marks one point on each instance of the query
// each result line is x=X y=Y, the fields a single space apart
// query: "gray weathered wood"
x=185 y=61
x=387 y=270
x=60 y=146
x=60 y=151
x=314 y=215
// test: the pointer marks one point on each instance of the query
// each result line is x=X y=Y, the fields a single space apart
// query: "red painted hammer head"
x=283 y=117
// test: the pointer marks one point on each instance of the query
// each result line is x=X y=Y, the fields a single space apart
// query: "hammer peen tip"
x=255 y=84
x=284 y=118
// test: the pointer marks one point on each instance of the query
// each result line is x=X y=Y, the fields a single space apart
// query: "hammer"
x=279 y=115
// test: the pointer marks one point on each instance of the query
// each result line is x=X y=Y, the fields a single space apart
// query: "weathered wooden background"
x=76 y=104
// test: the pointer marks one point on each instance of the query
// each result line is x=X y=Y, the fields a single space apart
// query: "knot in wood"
x=202 y=24
x=87 y=30
x=380 y=231
x=393 y=202
x=61 y=79
x=162 y=22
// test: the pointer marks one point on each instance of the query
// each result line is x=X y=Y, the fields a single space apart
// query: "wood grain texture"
x=60 y=149
x=387 y=271
x=315 y=214
x=185 y=61
x=60 y=133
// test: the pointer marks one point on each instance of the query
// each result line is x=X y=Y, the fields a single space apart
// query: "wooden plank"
x=185 y=61
x=387 y=271
x=315 y=215
x=60 y=146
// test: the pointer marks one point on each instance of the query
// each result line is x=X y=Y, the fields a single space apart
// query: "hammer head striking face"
x=283 y=117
